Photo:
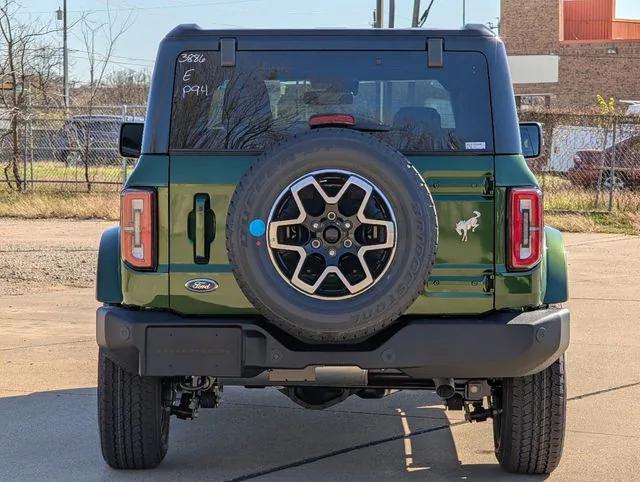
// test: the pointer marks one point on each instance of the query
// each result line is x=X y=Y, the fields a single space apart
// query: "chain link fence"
x=590 y=162
x=61 y=150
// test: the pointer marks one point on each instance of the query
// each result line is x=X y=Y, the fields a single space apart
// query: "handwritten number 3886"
x=192 y=58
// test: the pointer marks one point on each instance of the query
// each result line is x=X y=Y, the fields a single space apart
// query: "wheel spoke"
x=352 y=180
x=390 y=229
x=332 y=264
x=311 y=289
x=275 y=225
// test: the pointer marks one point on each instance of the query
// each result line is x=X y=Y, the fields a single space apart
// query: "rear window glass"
x=269 y=96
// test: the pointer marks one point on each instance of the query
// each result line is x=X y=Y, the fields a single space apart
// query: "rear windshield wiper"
x=370 y=125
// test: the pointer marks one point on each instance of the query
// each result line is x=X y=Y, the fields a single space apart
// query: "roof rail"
x=480 y=27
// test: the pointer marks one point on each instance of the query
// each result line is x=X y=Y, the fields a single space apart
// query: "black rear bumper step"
x=503 y=344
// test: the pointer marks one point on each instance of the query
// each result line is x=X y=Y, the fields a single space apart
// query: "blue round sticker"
x=257 y=227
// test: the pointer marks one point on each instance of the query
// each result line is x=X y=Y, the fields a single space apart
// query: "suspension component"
x=477 y=412
x=211 y=398
x=194 y=393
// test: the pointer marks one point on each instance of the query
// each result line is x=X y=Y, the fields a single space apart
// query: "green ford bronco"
x=332 y=213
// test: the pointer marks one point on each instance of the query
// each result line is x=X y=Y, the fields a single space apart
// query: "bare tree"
x=126 y=86
x=106 y=34
x=111 y=31
x=19 y=43
x=46 y=81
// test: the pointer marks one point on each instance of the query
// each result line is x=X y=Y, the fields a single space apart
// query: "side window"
x=198 y=91
x=220 y=108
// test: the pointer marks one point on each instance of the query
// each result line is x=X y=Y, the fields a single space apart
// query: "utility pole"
x=379 y=20
x=415 y=19
x=65 y=56
x=392 y=13
x=61 y=14
x=464 y=12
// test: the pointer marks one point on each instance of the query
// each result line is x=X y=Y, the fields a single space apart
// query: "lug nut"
x=315 y=243
x=332 y=252
x=331 y=216
x=347 y=243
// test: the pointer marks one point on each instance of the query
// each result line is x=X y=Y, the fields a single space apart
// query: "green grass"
x=60 y=191
x=569 y=208
x=58 y=171
x=63 y=176
x=561 y=195
x=573 y=208
x=615 y=222
x=47 y=204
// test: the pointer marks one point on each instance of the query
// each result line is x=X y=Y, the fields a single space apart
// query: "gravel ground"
x=38 y=254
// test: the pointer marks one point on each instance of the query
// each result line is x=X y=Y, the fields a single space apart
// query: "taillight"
x=526 y=225
x=137 y=227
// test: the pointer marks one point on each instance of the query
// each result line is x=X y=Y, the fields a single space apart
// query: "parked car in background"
x=592 y=168
x=94 y=137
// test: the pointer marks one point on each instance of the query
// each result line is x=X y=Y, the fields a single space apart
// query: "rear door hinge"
x=489 y=185
x=227 y=52
x=489 y=283
x=435 y=52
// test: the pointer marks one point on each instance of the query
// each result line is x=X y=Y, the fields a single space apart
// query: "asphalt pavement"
x=48 y=427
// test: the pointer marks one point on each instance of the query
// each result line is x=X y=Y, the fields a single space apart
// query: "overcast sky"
x=151 y=20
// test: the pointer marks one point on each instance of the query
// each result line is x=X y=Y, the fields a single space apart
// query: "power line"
x=116 y=62
x=112 y=56
x=156 y=7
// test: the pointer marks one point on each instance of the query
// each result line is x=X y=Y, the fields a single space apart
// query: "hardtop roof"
x=193 y=30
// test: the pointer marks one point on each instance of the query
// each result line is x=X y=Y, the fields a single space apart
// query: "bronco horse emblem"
x=463 y=227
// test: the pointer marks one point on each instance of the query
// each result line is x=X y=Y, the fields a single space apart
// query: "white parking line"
x=408 y=449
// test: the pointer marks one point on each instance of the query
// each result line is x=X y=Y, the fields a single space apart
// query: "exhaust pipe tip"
x=445 y=387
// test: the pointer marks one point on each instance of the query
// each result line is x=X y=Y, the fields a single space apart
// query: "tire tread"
x=531 y=438
x=129 y=416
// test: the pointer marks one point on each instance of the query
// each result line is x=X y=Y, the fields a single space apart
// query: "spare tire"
x=332 y=235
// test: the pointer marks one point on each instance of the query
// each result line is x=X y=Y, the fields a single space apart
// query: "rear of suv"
x=333 y=213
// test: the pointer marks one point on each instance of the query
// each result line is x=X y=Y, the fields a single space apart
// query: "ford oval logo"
x=201 y=285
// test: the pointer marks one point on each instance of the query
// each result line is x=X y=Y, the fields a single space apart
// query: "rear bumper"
x=503 y=344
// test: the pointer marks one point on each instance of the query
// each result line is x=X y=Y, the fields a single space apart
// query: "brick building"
x=565 y=52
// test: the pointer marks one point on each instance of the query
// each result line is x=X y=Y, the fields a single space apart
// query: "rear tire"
x=529 y=432
x=134 y=427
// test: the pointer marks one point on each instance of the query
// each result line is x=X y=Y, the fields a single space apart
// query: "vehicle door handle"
x=201 y=228
x=199 y=207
